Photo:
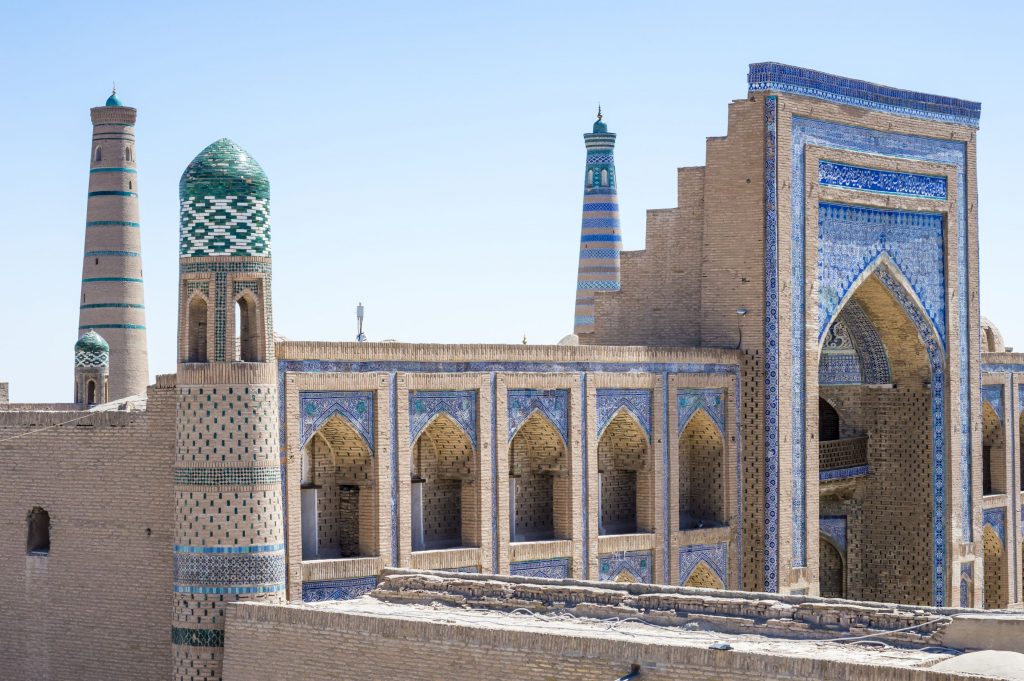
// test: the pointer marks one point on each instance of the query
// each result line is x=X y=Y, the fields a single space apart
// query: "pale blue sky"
x=426 y=158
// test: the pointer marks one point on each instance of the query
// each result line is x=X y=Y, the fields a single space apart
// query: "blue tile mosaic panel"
x=715 y=556
x=850 y=241
x=771 y=345
x=628 y=566
x=637 y=402
x=996 y=519
x=552 y=404
x=228 y=569
x=554 y=568
x=777 y=77
x=993 y=395
x=337 y=589
x=459 y=405
x=966 y=580
x=834 y=527
x=710 y=400
x=318 y=407
x=881 y=181
x=843 y=473
x=874 y=360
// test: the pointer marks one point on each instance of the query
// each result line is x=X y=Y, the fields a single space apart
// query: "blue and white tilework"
x=777 y=77
x=552 y=404
x=715 y=556
x=828 y=134
x=636 y=402
x=459 y=405
x=843 y=473
x=834 y=527
x=852 y=238
x=628 y=566
x=227 y=572
x=710 y=400
x=553 y=568
x=874 y=360
x=993 y=395
x=839 y=363
x=996 y=519
x=356 y=408
x=881 y=181
x=337 y=589
x=966 y=580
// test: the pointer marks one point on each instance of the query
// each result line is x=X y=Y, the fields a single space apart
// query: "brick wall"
x=98 y=606
x=701 y=497
x=444 y=458
x=627 y=485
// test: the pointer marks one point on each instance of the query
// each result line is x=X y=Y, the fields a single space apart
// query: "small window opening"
x=98 y=156
x=604 y=178
x=196 y=330
x=97 y=261
x=127 y=153
x=590 y=178
x=246 y=339
x=129 y=185
x=38 y=532
x=90 y=392
x=828 y=421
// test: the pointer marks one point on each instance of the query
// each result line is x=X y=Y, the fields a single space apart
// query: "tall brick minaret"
x=229 y=538
x=601 y=239
x=112 y=300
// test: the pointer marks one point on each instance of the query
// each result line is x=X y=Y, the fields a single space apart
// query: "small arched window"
x=38 y=532
x=98 y=154
x=129 y=185
x=127 y=153
x=590 y=177
x=196 y=330
x=604 y=178
x=247 y=338
x=90 y=392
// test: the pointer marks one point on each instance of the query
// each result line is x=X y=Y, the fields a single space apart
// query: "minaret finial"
x=599 y=116
x=113 y=90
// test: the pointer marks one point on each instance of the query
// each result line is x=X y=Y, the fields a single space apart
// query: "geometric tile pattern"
x=459 y=405
x=224 y=569
x=207 y=638
x=834 y=527
x=771 y=344
x=245 y=476
x=844 y=473
x=809 y=83
x=996 y=519
x=629 y=566
x=552 y=404
x=966 y=579
x=839 y=364
x=709 y=399
x=337 y=589
x=715 y=556
x=636 y=402
x=92 y=351
x=881 y=181
x=552 y=568
x=225 y=198
x=993 y=395
x=850 y=239
x=317 y=407
x=874 y=361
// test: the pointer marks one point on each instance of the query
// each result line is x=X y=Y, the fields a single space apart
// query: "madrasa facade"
x=790 y=390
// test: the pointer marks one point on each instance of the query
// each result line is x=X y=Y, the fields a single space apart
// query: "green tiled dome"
x=224 y=169
x=225 y=204
x=91 y=342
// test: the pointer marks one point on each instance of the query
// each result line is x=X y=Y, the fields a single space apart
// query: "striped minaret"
x=111 y=300
x=601 y=240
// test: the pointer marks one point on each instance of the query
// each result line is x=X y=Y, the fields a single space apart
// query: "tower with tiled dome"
x=92 y=367
x=229 y=543
x=600 y=239
x=111 y=299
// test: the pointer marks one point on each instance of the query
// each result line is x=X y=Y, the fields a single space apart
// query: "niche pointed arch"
x=460 y=406
x=552 y=405
x=635 y=403
x=356 y=408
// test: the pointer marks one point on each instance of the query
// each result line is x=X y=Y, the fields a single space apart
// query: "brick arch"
x=627 y=485
x=341 y=470
x=703 y=577
x=996 y=591
x=540 y=504
x=702 y=479
x=831 y=568
x=993 y=451
x=624 y=413
x=444 y=462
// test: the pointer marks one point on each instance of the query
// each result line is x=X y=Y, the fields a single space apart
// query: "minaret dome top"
x=113 y=99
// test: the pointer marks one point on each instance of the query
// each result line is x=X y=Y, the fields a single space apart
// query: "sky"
x=427 y=158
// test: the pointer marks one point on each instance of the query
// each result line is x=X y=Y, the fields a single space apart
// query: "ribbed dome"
x=91 y=342
x=224 y=169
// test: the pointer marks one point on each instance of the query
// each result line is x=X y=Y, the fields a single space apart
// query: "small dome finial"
x=113 y=99
x=599 y=116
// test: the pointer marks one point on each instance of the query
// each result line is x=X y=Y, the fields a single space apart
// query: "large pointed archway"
x=886 y=452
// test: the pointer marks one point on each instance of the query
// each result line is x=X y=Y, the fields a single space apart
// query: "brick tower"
x=229 y=542
x=601 y=239
x=112 y=300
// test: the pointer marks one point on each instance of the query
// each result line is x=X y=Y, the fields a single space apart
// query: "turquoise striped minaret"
x=601 y=239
